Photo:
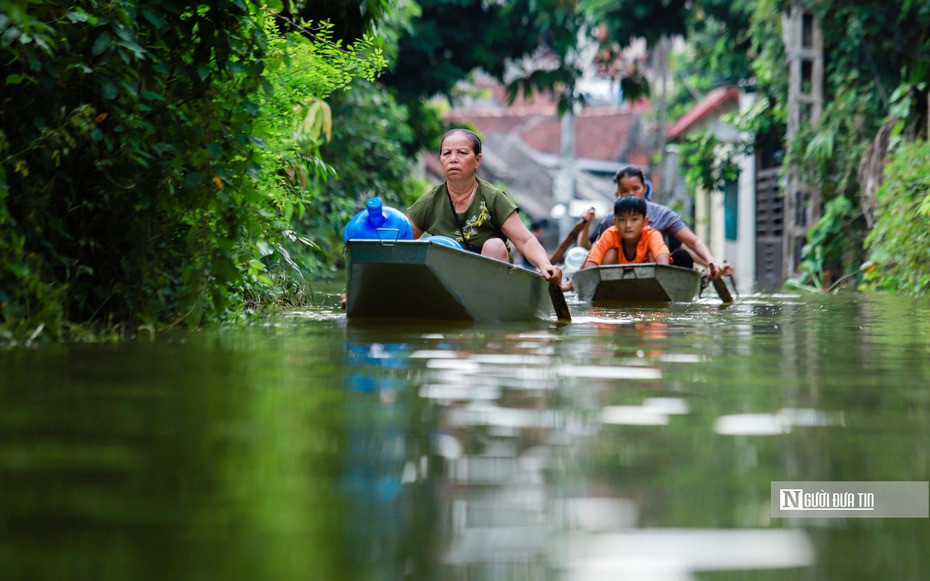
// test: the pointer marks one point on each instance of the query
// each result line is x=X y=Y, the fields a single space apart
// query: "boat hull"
x=636 y=283
x=421 y=280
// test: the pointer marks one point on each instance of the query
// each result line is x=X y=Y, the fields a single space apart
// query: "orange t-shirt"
x=651 y=244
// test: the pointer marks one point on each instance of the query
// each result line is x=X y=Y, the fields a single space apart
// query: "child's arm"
x=657 y=247
x=596 y=256
x=582 y=240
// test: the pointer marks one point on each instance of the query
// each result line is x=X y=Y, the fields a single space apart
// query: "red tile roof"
x=523 y=142
x=705 y=107
x=602 y=133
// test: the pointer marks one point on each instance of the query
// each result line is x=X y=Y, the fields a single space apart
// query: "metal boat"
x=636 y=283
x=423 y=280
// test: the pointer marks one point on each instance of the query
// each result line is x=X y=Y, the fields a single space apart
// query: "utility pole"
x=565 y=180
x=662 y=70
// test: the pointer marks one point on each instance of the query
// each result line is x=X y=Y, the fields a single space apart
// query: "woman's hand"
x=551 y=273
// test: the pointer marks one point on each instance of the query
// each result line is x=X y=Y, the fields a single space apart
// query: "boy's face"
x=630 y=225
x=631 y=186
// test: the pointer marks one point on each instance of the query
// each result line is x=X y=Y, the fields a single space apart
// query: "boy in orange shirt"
x=629 y=240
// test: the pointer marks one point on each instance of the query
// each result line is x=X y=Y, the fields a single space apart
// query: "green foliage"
x=768 y=65
x=119 y=154
x=149 y=154
x=558 y=26
x=709 y=163
x=908 y=105
x=720 y=35
x=324 y=161
x=829 y=245
x=295 y=121
x=627 y=20
x=868 y=51
x=899 y=243
x=368 y=151
x=719 y=48
x=446 y=40
x=829 y=152
x=350 y=19
x=451 y=38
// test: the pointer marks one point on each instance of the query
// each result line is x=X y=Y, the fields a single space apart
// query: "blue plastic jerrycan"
x=378 y=222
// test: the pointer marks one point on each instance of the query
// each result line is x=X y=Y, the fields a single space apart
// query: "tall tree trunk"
x=871 y=168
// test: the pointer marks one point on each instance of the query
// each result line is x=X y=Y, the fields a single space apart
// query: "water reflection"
x=494 y=494
x=771 y=424
x=377 y=458
x=631 y=444
x=515 y=432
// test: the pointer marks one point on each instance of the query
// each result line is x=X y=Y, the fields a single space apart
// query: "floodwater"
x=630 y=444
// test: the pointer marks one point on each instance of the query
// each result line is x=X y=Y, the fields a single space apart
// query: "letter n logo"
x=789 y=498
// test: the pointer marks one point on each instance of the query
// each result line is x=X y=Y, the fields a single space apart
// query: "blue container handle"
x=383 y=234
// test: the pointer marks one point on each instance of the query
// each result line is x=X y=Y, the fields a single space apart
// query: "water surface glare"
x=634 y=443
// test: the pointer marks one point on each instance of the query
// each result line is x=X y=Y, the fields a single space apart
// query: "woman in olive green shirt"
x=472 y=211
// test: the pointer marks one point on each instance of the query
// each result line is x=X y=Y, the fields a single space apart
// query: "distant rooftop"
x=713 y=101
x=521 y=145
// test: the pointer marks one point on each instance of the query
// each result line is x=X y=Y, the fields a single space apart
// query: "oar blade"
x=559 y=303
x=722 y=291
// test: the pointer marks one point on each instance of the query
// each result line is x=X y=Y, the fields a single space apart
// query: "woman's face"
x=631 y=186
x=458 y=158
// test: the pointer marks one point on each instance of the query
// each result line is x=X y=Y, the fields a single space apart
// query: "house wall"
x=743 y=252
x=709 y=206
x=709 y=209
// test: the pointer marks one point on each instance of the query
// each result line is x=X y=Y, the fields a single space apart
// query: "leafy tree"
x=349 y=20
x=306 y=67
x=719 y=51
x=627 y=20
x=449 y=39
x=118 y=154
x=135 y=183
x=869 y=51
x=708 y=163
x=368 y=154
x=876 y=63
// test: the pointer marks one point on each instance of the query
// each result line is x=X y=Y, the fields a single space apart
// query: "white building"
x=742 y=223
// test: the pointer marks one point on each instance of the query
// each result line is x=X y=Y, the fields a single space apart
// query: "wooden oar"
x=559 y=303
x=555 y=291
x=566 y=244
x=723 y=292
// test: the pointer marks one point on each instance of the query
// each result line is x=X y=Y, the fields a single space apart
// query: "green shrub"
x=151 y=155
x=899 y=243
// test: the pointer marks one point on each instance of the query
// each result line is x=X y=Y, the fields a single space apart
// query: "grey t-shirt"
x=661 y=218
